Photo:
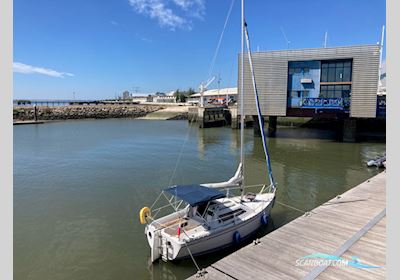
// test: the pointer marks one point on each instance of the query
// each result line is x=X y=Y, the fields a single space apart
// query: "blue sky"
x=98 y=49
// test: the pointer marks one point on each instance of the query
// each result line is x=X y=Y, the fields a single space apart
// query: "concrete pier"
x=210 y=116
x=272 y=123
x=349 y=130
x=350 y=225
x=256 y=126
x=234 y=118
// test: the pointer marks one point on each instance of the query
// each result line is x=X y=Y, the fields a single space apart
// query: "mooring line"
x=190 y=253
x=307 y=213
x=227 y=274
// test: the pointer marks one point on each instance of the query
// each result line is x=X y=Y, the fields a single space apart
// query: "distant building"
x=341 y=80
x=139 y=98
x=215 y=96
x=164 y=99
x=149 y=98
x=126 y=95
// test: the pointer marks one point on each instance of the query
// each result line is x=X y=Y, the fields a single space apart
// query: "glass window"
x=339 y=74
x=339 y=65
x=346 y=93
x=324 y=74
x=331 y=88
x=306 y=70
x=336 y=71
x=291 y=70
x=297 y=70
x=347 y=74
x=305 y=93
x=331 y=74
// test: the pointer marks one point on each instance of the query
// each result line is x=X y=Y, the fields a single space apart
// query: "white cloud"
x=113 y=22
x=166 y=16
x=195 y=8
x=29 y=69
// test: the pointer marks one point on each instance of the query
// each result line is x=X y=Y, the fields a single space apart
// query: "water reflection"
x=78 y=187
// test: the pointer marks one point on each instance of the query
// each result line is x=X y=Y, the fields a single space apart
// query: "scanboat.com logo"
x=320 y=259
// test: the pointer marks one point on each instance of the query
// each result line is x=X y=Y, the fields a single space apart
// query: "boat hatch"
x=227 y=216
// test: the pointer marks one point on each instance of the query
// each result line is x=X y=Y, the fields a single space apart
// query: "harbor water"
x=79 y=186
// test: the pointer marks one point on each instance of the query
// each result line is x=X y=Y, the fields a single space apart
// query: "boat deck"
x=352 y=224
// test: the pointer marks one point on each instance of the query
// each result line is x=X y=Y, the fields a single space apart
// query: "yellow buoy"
x=143 y=214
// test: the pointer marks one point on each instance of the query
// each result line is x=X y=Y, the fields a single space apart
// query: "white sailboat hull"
x=203 y=239
x=223 y=239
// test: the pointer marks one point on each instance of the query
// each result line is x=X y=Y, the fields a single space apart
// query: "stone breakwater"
x=83 y=112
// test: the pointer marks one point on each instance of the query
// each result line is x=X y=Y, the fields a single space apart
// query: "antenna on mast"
x=286 y=39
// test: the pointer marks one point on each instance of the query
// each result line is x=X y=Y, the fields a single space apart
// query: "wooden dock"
x=352 y=224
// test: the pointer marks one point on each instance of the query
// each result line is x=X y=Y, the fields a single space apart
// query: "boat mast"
x=241 y=97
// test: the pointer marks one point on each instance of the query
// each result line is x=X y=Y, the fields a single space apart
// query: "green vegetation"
x=181 y=96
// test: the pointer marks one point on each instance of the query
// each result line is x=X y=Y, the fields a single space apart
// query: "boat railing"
x=175 y=206
x=265 y=188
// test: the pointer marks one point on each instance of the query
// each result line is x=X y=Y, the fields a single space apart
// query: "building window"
x=335 y=91
x=300 y=93
x=336 y=71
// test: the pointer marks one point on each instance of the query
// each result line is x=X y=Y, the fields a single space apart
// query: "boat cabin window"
x=201 y=208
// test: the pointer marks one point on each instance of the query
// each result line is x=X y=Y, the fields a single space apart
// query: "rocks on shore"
x=83 y=112
x=181 y=116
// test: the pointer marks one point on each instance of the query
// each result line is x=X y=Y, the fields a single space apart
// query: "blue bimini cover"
x=195 y=194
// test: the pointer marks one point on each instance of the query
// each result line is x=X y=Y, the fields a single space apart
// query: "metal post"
x=201 y=95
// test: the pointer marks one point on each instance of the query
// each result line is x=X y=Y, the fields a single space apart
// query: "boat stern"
x=153 y=238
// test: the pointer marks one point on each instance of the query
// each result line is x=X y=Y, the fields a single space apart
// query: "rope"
x=180 y=154
x=306 y=213
x=220 y=39
x=190 y=253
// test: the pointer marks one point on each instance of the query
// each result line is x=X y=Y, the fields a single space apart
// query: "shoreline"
x=26 y=115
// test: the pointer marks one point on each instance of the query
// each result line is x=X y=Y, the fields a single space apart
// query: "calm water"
x=79 y=185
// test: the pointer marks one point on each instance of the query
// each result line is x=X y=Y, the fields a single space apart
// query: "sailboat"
x=211 y=216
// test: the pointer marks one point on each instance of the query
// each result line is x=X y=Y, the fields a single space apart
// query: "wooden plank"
x=345 y=246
